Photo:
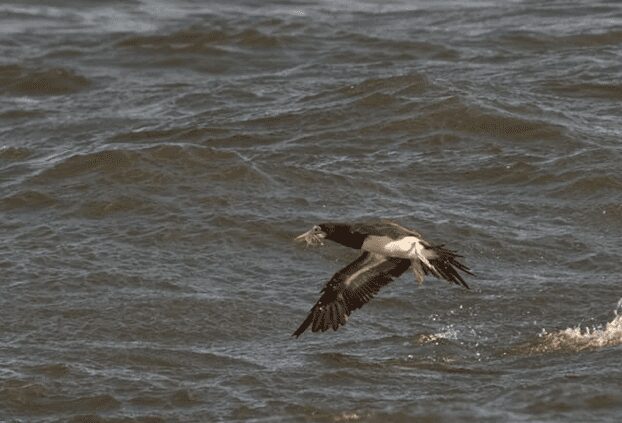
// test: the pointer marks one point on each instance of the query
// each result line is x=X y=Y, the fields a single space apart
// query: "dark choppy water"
x=157 y=160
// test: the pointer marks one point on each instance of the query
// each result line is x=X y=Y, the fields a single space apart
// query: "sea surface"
x=158 y=158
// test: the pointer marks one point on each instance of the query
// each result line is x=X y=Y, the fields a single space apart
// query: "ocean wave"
x=374 y=92
x=579 y=338
x=170 y=134
x=456 y=115
x=604 y=91
x=98 y=209
x=159 y=163
x=406 y=84
x=78 y=164
x=453 y=120
x=15 y=153
x=140 y=181
x=405 y=47
x=22 y=114
x=94 y=418
x=345 y=361
x=18 y=80
x=201 y=40
x=594 y=39
x=24 y=396
x=28 y=199
x=585 y=186
x=539 y=41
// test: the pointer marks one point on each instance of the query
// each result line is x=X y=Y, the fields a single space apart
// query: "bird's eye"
x=317 y=229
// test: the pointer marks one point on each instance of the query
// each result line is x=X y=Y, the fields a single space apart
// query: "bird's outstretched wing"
x=350 y=288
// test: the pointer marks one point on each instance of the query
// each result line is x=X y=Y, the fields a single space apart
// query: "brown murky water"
x=156 y=161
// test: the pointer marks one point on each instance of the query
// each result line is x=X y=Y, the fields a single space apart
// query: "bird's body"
x=388 y=251
x=409 y=247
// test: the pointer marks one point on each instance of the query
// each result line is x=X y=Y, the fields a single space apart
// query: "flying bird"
x=389 y=250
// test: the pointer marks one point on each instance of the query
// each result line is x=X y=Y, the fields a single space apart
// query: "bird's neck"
x=344 y=235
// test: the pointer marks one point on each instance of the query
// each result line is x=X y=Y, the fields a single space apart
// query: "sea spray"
x=579 y=338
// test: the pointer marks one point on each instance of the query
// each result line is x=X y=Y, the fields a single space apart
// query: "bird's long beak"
x=311 y=237
x=305 y=236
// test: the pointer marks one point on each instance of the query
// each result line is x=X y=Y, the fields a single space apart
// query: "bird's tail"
x=445 y=265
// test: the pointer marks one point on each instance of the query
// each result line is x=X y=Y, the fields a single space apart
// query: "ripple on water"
x=129 y=166
x=29 y=199
x=22 y=396
x=579 y=184
x=461 y=117
x=19 y=80
x=94 y=418
x=156 y=170
x=603 y=91
x=56 y=370
x=530 y=40
x=197 y=39
x=406 y=84
x=15 y=153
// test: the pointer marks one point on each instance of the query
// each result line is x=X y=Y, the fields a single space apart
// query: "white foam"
x=449 y=332
x=578 y=338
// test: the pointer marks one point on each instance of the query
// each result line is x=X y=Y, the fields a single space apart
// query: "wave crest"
x=578 y=339
x=17 y=80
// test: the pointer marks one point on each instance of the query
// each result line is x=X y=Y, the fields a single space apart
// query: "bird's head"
x=337 y=232
x=314 y=236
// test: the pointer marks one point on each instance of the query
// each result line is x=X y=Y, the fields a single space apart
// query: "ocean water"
x=158 y=158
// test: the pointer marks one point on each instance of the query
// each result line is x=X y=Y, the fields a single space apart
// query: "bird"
x=388 y=250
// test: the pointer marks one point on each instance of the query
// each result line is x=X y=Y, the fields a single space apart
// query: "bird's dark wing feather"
x=351 y=288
